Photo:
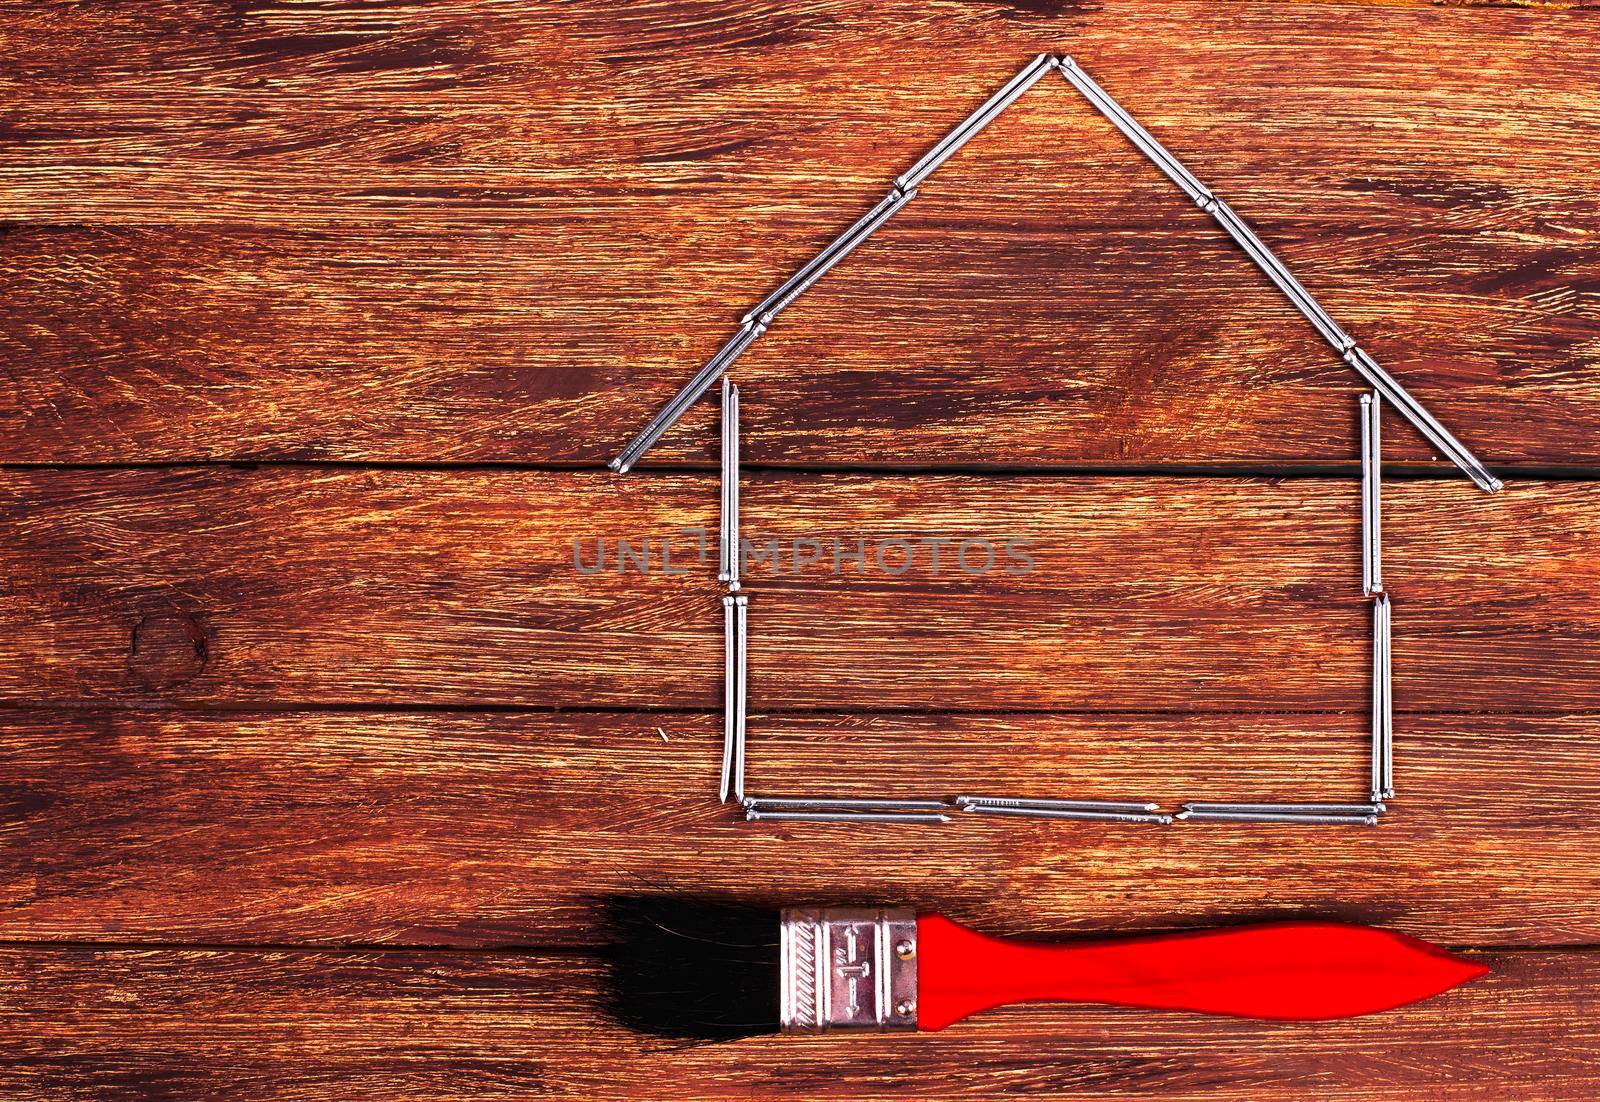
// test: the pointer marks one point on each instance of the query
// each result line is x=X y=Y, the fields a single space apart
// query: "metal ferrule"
x=847 y=968
x=824 y=262
x=973 y=123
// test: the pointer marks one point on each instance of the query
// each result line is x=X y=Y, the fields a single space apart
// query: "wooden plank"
x=478 y=111
x=989 y=336
x=483 y=233
x=281 y=586
x=492 y=830
x=398 y=1026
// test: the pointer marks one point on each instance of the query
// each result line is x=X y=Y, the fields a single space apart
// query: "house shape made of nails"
x=1384 y=389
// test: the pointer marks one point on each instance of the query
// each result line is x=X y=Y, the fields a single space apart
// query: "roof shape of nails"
x=755 y=322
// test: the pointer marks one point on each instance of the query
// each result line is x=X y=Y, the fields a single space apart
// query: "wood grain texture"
x=330 y=702
x=510 y=830
x=394 y=1026
x=480 y=232
x=277 y=586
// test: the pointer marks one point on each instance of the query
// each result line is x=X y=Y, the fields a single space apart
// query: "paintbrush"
x=701 y=970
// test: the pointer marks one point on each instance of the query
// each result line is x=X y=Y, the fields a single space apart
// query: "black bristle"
x=693 y=969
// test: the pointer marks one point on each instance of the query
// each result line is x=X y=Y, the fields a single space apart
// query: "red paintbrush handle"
x=1301 y=971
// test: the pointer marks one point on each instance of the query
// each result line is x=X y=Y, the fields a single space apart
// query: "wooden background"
x=318 y=321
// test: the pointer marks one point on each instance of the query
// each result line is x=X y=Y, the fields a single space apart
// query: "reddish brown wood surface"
x=361 y=700
x=482 y=830
x=323 y=1026
x=460 y=588
x=475 y=231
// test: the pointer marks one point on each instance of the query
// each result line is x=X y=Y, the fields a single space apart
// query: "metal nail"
x=1142 y=139
x=1386 y=713
x=973 y=802
x=1371 y=552
x=1376 y=421
x=975 y=122
x=1345 y=345
x=1290 y=809
x=840 y=804
x=722 y=502
x=741 y=605
x=688 y=396
x=1266 y=816
x=730 y=695
x=1413 y=411
x=729 y=572
x=755 y=815
x=1202 y=197
x=1377 y=699
x=1066 y=813
x=1275 y=270
x=830 y=256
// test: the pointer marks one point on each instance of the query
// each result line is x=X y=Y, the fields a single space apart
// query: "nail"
x=1280 y=275
x=741 y=605
x=1142 y=139
x=1290 y=809
x=1371 y=567
x=1377 y=699
x=974 y=802
x=830 y=256
x=729 y=572
x=1413 y=411
x=688 y=396
x=755 y=815
x=975 y=122
x=1066 y=813
x=730 y=696
x=1387 y=711
x=840 y=804
x=1270 y=817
